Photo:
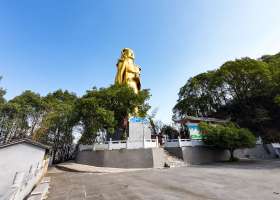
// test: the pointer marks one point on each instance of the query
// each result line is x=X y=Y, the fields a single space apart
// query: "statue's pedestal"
x=139 y=129
x=138 y=151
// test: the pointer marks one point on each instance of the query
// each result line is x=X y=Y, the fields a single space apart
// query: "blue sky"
x=74 y=45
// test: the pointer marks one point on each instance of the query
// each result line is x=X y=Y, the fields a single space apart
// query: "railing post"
x=179 y=141
x=110 y=144
x=157 y=144
x=144 y=141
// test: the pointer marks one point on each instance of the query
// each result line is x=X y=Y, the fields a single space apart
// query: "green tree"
x=11 y=126
x=31 y=111
x=155 y=125
x=52 y=119
x=94 y=118
x=108 y=109
x=2 y=94
x=3 y=132
x=170 y=131
x=227 y=136
x=21 y=116
x=57 y=125
x=245 y=90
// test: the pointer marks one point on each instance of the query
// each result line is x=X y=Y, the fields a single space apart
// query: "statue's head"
x=127 y=53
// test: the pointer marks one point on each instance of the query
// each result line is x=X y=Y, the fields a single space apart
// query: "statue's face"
x=127 y=53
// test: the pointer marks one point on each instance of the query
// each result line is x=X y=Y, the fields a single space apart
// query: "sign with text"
x=194 y=131
x=139 y=120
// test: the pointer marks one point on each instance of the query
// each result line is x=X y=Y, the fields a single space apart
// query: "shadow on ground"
x=245 y=164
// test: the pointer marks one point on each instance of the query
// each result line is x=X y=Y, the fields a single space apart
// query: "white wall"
x=17 y=158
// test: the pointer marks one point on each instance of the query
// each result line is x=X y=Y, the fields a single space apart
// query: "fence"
x=276 y=146
x=182 y=142
x=121 y=144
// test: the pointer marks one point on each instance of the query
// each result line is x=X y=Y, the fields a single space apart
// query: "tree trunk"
x=231 y=154
x=54 y=154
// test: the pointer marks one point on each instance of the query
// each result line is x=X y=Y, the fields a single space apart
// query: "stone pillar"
x=144 y=139
x=110 y=144
x=157 y=143
x=179 y=141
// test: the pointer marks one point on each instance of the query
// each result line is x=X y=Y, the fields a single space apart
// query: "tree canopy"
x=108 y=108
x=53 y=119
x=56 y=127
x=245 y=90
x=2 y=93
x=170 y=131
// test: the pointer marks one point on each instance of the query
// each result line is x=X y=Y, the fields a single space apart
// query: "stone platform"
x=195 y=155
x=258 y=180
x=123 y=158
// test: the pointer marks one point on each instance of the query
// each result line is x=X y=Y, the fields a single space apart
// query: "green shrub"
x=227 y=136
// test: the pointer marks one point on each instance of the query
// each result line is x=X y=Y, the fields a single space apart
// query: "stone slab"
x=139 y=128
x=42 y=188
x=36 y=197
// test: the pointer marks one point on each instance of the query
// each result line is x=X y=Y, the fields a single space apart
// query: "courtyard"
x=256 y=180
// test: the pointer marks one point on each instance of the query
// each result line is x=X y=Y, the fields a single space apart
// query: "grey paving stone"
x=256 y=180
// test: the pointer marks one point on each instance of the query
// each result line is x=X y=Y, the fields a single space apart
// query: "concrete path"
x=75 y=167
x=258 y=180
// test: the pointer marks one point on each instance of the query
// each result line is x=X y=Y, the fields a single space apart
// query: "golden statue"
x=128 y=72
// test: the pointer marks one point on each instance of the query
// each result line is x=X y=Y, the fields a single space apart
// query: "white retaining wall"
x=22 y=165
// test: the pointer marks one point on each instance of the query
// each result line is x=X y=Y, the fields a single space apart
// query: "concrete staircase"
x=41 y=191
x=173 y=161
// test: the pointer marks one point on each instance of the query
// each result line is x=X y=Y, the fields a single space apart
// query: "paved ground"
x=258 y=180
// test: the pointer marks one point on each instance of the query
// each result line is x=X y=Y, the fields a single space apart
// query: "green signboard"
x=194 y=131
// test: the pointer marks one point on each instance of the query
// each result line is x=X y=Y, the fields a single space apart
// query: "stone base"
x=203 y=154
x=123 y=158
x=260 y=151
x=198 y=154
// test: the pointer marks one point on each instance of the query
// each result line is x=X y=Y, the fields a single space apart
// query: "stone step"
x=172 y=161
x=41 y=190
